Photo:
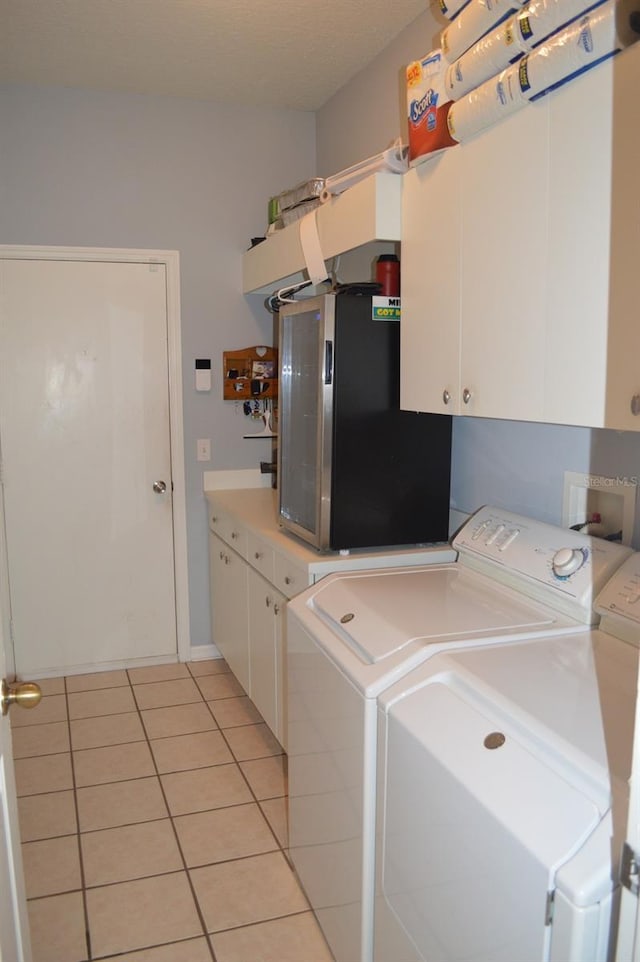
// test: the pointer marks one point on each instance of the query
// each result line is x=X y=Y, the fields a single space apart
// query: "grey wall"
x=510 y=464
x=95 y=169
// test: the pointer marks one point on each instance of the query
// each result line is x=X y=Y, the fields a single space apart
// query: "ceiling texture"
x=279 y=53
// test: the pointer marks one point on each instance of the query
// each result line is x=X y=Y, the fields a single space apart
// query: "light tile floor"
x=153 y=819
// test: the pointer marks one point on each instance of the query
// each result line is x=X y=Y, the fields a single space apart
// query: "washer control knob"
x=566 y=561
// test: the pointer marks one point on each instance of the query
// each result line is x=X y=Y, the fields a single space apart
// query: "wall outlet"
x=203 y=449
x=587 y=496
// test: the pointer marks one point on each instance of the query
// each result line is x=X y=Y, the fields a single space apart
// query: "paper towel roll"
x=451 y=8
x=489 y=103
x=491 y=54
x=594 y=37
x=540 y=18
x=509 y=40
x=477 y=18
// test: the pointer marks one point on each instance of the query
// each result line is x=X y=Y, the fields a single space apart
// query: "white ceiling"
x=287 y=53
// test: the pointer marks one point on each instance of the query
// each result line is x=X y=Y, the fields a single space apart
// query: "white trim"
x=171 y=261
x=235 y=480
x=204 y=653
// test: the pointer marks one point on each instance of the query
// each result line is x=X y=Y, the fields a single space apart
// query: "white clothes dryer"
x=503 y=794
x=352 y=636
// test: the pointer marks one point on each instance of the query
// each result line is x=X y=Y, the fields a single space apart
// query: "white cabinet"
x=518 y=283
x=254 y=569
x=229 y=616
x=367 y=212
x=266 y=651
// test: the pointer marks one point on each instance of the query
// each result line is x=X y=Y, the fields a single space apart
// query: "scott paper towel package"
x=427 y=106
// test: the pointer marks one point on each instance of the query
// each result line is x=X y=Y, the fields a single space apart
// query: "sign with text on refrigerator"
x=385 y=308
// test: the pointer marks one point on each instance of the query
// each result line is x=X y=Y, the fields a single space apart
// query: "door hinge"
x=629 y=869
x=548 y=909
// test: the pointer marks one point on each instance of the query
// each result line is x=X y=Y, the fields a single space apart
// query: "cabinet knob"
x=288 y=580
x=227 y=559
x=635 y=404
x=221 y=555
x=446 y=397
x=466 y=395
x=234 y=535
x=214 y=518
x=258 y=555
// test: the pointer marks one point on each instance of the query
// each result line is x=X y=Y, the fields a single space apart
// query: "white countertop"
x=256 y=508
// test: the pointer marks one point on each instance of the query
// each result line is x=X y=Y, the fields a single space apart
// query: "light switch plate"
x=203 y=449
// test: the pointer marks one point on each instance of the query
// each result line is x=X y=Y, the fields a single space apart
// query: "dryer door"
x=476 y=822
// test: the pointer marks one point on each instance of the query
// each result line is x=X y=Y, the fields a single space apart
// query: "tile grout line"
x=173 y=826
x=280 y=847
x=85 y=908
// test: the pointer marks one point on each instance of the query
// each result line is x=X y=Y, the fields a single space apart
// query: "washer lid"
x=379 y=613
x=476 y=826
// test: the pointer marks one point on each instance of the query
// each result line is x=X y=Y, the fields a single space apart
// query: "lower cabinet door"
x=229 y=618
x=266 y=608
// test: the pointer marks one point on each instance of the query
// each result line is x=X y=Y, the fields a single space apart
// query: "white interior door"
x=84 y=430
x=14 y=930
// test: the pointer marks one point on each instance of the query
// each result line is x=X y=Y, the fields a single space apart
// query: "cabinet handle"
x=466 y=395
x=288 y=580
x=221 y=555
x=267 y=601
x=446 y=397
x=214 y=518
x=258 y=555
x=234 y=535
x=227 y=559
x=276 y=609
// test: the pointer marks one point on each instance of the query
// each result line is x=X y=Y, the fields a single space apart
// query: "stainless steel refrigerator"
x=355 y=471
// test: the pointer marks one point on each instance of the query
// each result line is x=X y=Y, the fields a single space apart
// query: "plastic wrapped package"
x=472 y=23
x=297 y=195
x=427 y=107
x=509 y=40
x=293 y=214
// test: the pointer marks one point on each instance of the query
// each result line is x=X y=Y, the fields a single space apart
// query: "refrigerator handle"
x=328 y=362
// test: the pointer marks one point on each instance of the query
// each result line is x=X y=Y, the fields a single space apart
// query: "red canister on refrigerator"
x=388 y=275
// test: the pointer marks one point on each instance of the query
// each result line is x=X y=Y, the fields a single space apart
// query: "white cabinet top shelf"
x=368 y=211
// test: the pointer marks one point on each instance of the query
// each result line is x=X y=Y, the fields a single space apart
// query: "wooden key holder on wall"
x=251 y=372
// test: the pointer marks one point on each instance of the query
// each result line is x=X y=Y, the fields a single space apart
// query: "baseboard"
x=204 y=652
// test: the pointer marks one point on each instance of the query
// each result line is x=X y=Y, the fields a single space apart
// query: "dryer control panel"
x=621 y=595
x=562 y=567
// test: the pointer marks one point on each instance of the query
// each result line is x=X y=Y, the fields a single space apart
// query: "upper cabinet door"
x=504 y=267
x=430 y=287
x=521 y=247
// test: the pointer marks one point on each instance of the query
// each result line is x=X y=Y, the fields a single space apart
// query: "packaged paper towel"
x=509 y=40
x=477 y=18
x=427 y=107
x=485 y=106
x=585 y=42
x=451 y=8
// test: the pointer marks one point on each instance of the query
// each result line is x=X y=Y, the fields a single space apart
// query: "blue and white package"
x=587 y=41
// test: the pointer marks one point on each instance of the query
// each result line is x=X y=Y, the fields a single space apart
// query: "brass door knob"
x=26 y=694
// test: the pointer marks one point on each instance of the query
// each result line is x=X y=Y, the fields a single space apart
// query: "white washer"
x=503 y=793
x=353 y=635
